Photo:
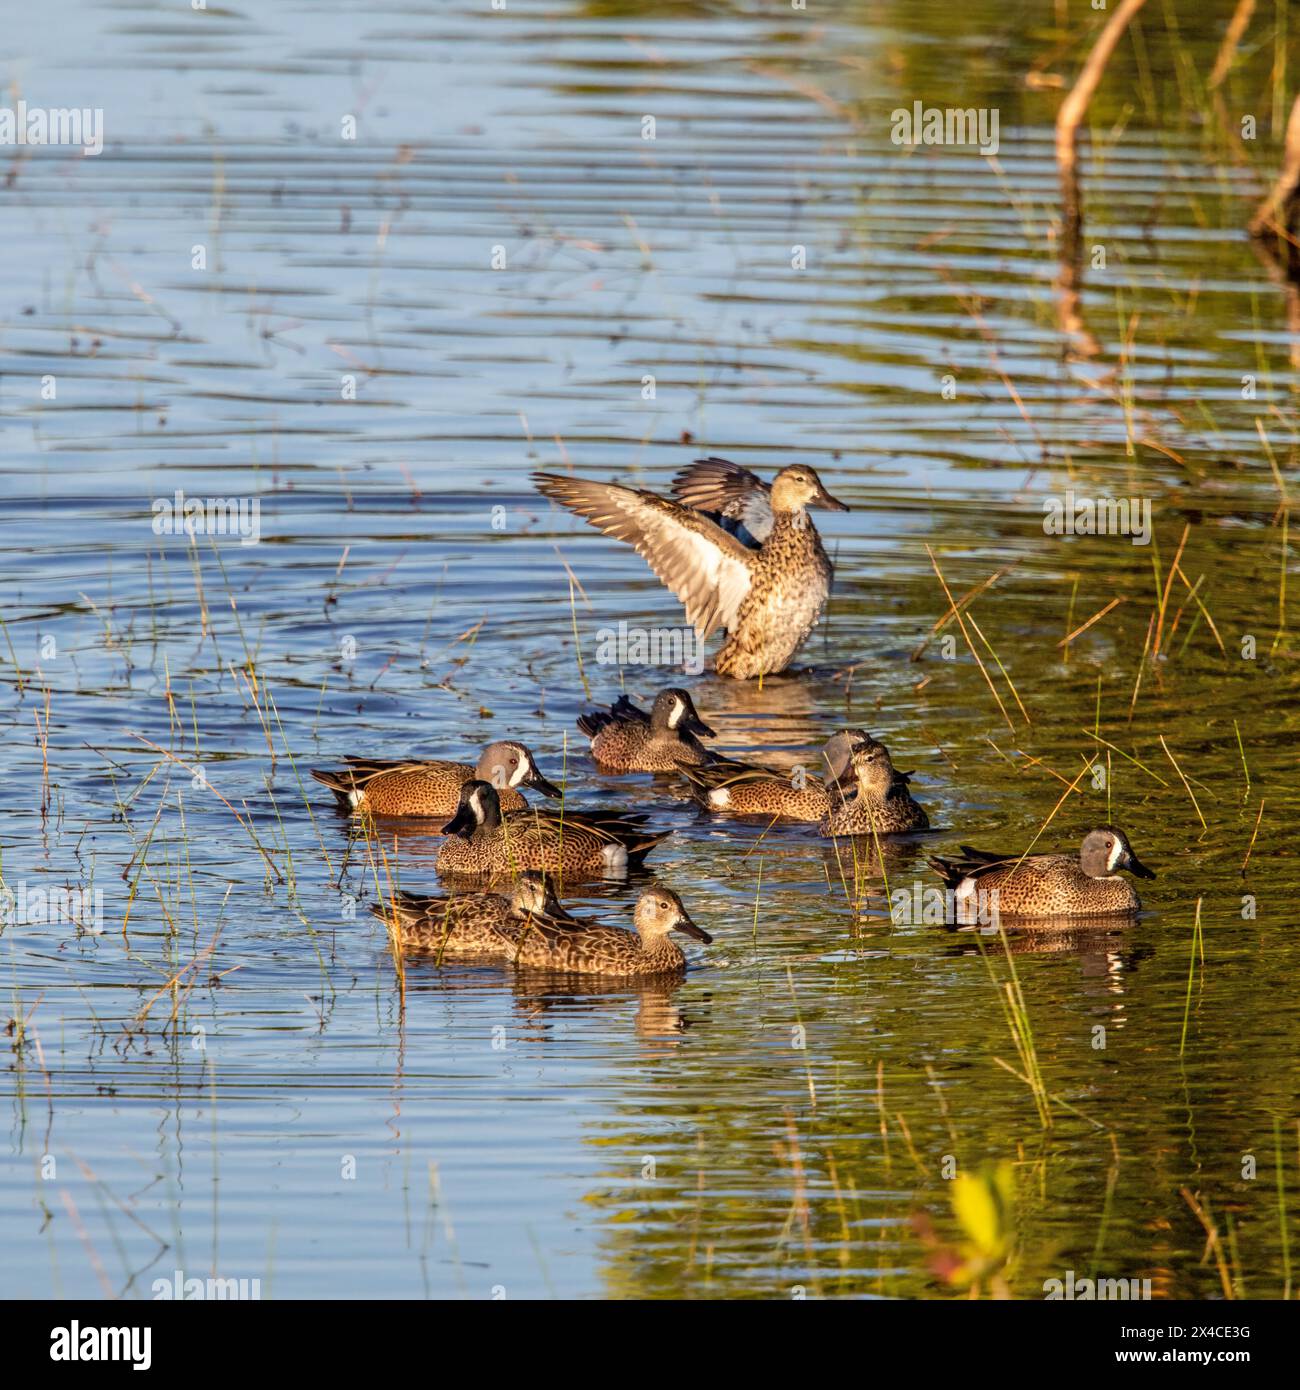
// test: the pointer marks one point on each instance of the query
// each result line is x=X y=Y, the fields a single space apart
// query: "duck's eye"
x=663 y=904
x=1110 y=844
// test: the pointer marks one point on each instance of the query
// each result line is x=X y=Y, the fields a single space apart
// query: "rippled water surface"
x=377 y=339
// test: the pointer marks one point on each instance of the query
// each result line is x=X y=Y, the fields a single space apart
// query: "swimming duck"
x=629 y=739
x=486 y=840
x=883 y=805
x=739 y=554
x=745 y=789
x=1050 y=885
x=601 y=950
x=474 y=924
x=423 y=787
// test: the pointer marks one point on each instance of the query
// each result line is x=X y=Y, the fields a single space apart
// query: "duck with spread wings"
x=741 y=555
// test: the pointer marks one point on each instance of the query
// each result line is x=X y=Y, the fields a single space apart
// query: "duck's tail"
x=949 y=871
x=342 y=782
x=594 y=721
x=622 y=711
x=406 y=907
x=719 y=772
x=645 y=841
x=969 y=864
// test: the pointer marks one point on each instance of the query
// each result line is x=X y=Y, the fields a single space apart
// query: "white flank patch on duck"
x=614 y=856
x=720 y=797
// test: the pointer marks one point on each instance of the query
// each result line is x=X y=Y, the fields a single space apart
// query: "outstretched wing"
x=704 y=566
x=732 y=494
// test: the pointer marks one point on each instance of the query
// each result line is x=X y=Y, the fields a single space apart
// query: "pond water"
x=376 y=339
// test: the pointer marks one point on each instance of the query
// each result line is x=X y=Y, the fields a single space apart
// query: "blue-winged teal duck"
x=485 y=841
x=1050 y=885
x=431 y=788
x=739 y=554
x=629 y=739
x=475 y=924
x=601 y=950
x=882 y=804
x=744 y=789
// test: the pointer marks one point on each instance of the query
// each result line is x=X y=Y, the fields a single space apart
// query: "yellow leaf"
x=983 y=1202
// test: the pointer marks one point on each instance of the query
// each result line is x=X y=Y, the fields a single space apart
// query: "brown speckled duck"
x=432 y=788
x=630 y=740
x=474 y=924
x=739 y=554
x=1050 y=885
x=882 y=804
x=485 y=841
x=611 y=951
x=744 y=789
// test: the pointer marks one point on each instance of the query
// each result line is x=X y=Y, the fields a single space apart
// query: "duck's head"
x=797 y=487
x=534 y=895
x=674 y=709
x=1106 y=850
x=480 y=808
x=659 y=910
x=531 y=891
x=510 y=764
x=870 y=767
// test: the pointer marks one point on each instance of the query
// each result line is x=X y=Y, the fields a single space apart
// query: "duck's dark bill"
x=540 y=784
x=695 y=725
x=832 y=504
x=688 y=928
x=1135 y=866
x=462 y=823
